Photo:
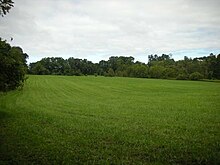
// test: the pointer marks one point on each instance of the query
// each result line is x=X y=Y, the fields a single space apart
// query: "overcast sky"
x=98 y=29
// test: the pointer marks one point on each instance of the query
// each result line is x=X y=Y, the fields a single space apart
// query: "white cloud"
x=97 y=29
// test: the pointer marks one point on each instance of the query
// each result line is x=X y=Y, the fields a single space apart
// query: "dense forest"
x=163 y=66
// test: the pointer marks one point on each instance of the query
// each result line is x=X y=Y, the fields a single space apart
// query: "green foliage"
x=12 y=67
x=99 y=120
x=5 y=6
x=182 y=76
x=161 y=67
x=156 y=71
x=195 y=76
x=165 y=67
x=39 y=69
x=110 y=73
x=216 y=70
x=138 y=70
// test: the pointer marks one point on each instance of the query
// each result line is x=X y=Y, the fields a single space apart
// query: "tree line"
x=162 y=67
x=13 y=67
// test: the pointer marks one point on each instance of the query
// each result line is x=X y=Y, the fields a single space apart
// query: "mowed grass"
x=101 y=120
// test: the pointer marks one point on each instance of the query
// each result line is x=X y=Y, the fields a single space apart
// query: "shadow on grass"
x=4 y=115
x=215 y=81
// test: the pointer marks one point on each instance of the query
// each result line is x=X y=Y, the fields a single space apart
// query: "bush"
x=182 y=77
x=110 y=73
x=195 y=76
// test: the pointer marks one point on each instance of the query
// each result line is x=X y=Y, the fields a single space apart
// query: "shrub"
x=182 y=77
x=195 y=76
x=110 y=73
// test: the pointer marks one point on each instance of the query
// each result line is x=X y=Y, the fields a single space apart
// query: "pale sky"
x=98 y=29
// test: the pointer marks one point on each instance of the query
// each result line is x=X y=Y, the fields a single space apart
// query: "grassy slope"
x=118 y=120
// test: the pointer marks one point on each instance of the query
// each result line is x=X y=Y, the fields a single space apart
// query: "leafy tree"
x=169 y=72
x=103 y=67
x=39 y=69
x=216 y=68
x=195 y=76
x=182 y=76
x=5 y=6
x=110 y=73
x=12 y=66
x=156 y=71
x=139 y=70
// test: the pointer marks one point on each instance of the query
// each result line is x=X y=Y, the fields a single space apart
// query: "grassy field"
x=101 y=120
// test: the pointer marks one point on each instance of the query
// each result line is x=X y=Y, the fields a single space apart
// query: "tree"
x=156 y=71
x=217 y=68
x=13 y=67
x=5 y=6
x=182 y=76
x=138 y=70
x=103 y=67
x=38 y=68
x=215 y=65
x=195 y=76
x=110 y=73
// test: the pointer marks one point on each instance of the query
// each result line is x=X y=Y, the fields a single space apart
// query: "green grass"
x=99 y=120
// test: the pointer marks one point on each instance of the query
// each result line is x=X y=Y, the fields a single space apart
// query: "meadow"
x=104 y=120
